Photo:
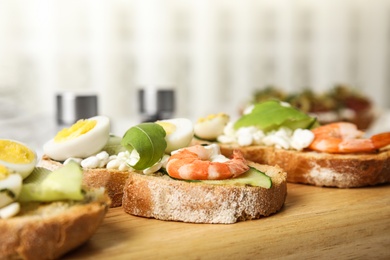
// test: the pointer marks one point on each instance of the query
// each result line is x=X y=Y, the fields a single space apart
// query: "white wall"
x=213 y=53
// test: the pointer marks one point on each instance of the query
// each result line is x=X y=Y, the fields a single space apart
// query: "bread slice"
x=49 y=230
x=112 y=180
x=322 y=169
x=164 y=198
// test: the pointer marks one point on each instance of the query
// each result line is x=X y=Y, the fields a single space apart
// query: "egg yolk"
x=79 y=128
x=3 y=172
x=13 y=152
x=168 y=127
x=212 y=116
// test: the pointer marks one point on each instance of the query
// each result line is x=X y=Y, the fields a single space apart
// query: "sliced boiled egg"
x=179 y=133
x=17 y=157
x=212 y=126
x=10 y=186
x=83 y=139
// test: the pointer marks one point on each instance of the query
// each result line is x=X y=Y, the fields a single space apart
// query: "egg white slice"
x=10 y=210
x=23 y=169
x=80 y=146
x=212 y=126
x=179 y=133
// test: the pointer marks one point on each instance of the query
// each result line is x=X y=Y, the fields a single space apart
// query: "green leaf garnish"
x=148 y=139
x=271 y=115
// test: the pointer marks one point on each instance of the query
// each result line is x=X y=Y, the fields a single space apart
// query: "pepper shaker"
x=156 y=103
x=73 y=106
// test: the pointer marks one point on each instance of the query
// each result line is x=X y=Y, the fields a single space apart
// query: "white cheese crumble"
x=122 y=162
x=9 y=210
x=283 y=138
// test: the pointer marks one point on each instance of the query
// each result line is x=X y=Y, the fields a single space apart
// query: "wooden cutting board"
x=315 y=222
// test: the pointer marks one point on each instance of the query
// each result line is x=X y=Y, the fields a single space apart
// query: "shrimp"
x=205 y=163
x=343 y=137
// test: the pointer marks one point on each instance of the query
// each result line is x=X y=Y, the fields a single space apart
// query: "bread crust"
x=49 y=230
x=164 y=198
x=322 y=169
x=112 y=180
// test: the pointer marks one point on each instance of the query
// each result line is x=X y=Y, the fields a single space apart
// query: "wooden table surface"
x=314 y=222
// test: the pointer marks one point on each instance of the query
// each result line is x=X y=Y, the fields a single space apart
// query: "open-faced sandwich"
x=340 y=103
x=200 y=185
x=168 y=180
x=44 y=214
x=275 y=133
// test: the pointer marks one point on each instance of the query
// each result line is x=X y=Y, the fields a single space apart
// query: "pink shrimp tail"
x=381 y=140
x=238 y=164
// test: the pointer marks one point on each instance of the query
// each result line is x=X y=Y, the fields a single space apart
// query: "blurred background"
x=213 y=54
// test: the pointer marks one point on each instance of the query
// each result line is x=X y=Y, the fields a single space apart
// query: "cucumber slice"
x=8 y=193
x=10 y=189
x=61 y=184
x=113 y=145
x=6 y=197
x=252 y=177
x=37 y=175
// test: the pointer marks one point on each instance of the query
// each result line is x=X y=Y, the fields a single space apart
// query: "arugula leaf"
x=148 y=139
x=271 y=115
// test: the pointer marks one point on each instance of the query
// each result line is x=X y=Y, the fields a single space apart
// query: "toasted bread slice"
x=163 y=198
x=322 y=169
x=49 y=230
x=112 y=180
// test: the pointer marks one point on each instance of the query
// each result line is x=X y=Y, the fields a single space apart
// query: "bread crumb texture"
x=50 y=230
x=323 y=169
x=167 y=199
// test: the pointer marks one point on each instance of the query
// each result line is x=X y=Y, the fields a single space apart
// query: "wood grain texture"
x=315 y=222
